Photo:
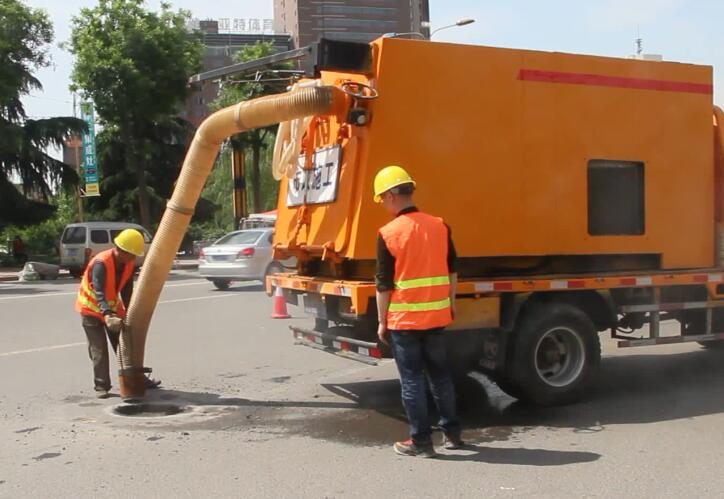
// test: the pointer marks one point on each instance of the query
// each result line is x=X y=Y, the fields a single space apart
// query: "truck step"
x=668 y=340
x=350 y=348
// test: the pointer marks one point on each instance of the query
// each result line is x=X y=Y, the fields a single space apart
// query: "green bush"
x=41 y=240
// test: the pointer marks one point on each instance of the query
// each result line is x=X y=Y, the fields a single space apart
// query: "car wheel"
x=272 y=268
x=221 y=284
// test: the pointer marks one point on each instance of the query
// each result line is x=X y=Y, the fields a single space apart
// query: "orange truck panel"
x=499 y=142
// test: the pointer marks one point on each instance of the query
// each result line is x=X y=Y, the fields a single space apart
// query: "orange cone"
x=280 y=305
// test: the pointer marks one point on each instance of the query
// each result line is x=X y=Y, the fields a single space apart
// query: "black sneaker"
x=410 y=448
x=452 y=441
x=151 y=383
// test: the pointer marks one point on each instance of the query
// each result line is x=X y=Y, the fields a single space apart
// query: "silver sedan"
x=243 y=255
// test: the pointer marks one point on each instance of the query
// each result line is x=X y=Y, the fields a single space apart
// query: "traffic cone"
x=280 y=305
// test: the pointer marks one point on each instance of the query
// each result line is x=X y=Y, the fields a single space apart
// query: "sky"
x=683 y=31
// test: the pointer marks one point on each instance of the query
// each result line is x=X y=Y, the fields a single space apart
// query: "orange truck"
x=583 y=194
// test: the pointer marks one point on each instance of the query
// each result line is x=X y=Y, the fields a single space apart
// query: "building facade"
x=354 y=20
x=219 y=50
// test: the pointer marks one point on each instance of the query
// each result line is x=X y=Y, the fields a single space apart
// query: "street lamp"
x=460 y=22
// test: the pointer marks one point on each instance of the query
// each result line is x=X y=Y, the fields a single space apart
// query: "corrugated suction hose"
x=200 y=158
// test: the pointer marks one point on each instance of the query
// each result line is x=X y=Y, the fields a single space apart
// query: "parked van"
x=81 y=241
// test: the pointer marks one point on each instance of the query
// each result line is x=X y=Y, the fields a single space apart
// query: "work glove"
x=113 y=323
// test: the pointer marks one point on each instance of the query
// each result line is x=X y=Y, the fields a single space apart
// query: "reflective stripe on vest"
x=421 y=298
x=423 y=282
x=420 y=307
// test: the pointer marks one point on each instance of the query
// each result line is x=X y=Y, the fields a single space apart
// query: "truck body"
x=583 y=195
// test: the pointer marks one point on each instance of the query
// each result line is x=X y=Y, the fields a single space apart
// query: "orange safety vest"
x=87 y=301
x=421 y=298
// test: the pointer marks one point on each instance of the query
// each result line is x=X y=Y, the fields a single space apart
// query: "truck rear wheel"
x=555 y=354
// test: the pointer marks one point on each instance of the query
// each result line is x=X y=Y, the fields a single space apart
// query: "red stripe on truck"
x=615 y=81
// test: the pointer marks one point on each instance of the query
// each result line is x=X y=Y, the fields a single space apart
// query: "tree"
x=134 y=64
x=166 y=152
x=242 y=89
x=24 y=36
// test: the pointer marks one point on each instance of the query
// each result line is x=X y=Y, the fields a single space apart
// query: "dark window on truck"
x=615 y=198
x=74 y=235
x=99 y=236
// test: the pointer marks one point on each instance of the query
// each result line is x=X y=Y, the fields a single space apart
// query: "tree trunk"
x=256 y=183
x=134 y=164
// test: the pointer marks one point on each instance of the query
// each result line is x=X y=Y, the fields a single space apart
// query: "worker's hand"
x=113 y=323
x=383 y=334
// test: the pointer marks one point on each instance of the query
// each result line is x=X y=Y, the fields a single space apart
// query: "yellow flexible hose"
x=256 y=113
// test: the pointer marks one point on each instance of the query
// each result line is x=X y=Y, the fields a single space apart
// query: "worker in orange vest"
x=416 y=281
x=106 y=287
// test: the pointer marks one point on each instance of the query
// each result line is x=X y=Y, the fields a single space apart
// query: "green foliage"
x=134 y=64
x=41 y=240
x=256 y=143
x=166 y=149
x=24 y=36
x=219 y=191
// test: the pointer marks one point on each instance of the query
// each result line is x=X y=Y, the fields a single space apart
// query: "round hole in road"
x=148 y=410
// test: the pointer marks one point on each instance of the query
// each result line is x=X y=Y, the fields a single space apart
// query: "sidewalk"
x=9 y=274
x=185 y=263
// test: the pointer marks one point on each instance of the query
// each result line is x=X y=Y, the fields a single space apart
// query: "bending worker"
x=416 y=281
x=106 y=287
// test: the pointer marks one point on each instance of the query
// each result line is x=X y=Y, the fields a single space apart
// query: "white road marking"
x=6 y=298
x=197 y=298
x=42 y=349
x=186 y=284
x=68 y=345
x=48 y=295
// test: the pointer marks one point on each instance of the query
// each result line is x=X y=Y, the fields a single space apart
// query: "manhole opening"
x=148 y=410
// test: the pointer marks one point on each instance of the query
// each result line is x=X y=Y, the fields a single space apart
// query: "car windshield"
x=245 y=237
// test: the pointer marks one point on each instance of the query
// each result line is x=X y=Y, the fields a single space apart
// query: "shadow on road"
x=520 y=456
x=243 y=288
x=631 y=389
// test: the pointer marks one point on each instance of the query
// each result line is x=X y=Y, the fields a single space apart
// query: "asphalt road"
x=266 y=418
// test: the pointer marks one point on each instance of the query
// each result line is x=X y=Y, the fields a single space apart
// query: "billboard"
x=91 y=176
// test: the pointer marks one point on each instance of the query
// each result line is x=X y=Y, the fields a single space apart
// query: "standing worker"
x=416 y=281
x=19 y=253
x=106 y=287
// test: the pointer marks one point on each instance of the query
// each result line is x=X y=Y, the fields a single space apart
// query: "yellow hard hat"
x=389 y=177
x=130 y=241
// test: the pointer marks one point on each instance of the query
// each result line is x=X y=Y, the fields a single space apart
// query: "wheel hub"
x=559 y=356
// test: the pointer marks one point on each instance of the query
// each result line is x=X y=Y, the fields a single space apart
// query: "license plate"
x=222 y=258
x=318 y=185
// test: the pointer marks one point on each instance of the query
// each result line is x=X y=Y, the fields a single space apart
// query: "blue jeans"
x=419 y=354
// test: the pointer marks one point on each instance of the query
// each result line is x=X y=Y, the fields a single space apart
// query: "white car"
x=242 y=255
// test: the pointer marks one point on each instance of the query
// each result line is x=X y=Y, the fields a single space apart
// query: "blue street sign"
x=90 y=167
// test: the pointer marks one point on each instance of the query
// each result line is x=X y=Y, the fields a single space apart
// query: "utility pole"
x=77 y=147
x=239 y=182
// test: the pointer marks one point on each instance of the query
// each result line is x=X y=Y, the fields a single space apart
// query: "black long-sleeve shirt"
x=98 y=276
x=385 y=272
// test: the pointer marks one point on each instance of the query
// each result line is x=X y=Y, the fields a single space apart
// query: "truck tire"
x=712 y=345
x=556 y=352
